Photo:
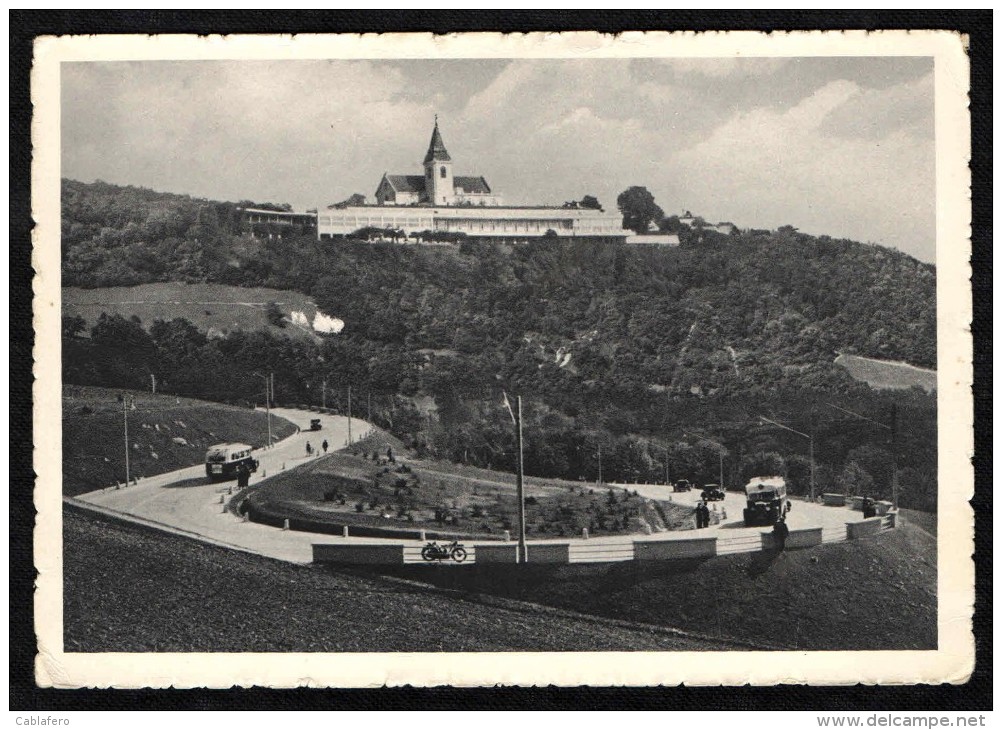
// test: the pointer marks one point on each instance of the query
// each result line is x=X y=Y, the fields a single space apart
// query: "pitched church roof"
x=471 y=185
x=436 y=148
x=406 y=183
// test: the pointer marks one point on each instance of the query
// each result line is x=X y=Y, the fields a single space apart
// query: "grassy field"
x=362 y=488
x=216 y=306
x=165 y=433
x=877 y=593
x=132 y=590
x=887 y=374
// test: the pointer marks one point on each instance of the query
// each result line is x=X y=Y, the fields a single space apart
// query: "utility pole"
x=721 y=449
x=267 y=402
x=323 y=396
x=600 y=463
x=893 y=435
x=153 y=383
x=809 y=437
x=271 y=382
x=125 y=420
x=349 y=415
x=368 y=398
x=894 y=454
x=516 y=419
x=522 y=555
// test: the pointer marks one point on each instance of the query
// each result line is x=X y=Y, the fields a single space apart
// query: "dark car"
x=314 y=424
x=713 y=493
x=682 y=485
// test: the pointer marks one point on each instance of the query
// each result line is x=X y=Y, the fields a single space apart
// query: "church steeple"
x=436 y=148
x=439 y=188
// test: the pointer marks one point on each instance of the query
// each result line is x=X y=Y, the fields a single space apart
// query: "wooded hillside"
x=606 y=342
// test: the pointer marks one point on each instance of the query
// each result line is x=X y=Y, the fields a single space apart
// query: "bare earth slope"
x=874 y=593
x=129 y=589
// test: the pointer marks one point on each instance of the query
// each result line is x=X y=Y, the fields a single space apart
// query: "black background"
x=25 y=26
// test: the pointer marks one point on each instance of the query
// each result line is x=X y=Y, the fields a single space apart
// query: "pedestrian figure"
x=869 y=510
x=309 y=449
x=243 y=476
x=779 y=533
x=389 y=455
x=324 y=445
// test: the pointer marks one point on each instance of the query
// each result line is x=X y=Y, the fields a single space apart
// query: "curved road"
x=186 y=503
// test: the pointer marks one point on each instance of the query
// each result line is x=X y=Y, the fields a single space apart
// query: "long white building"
x=439 y=201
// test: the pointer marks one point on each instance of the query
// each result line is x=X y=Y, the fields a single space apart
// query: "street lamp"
x=892 y=430
x=801 y=434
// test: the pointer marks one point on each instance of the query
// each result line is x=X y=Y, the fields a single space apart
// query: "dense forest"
x=655 y=354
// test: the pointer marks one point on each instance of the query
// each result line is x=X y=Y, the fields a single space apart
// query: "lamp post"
x=809 y=438
x=892 y=431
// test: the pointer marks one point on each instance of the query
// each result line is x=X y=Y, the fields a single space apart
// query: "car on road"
x=682 y=485
x=713 y=493
x=314 y=424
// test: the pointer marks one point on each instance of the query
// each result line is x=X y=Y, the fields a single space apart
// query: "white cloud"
x=770 y=167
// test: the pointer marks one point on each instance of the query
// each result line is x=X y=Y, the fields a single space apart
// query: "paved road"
x=185 y=502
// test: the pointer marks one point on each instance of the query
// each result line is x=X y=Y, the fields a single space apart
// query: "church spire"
x=436 y=148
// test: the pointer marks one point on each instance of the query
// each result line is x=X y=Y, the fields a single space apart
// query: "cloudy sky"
x=842 y=146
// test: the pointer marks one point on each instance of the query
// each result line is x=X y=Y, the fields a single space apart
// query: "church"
x=441 y=201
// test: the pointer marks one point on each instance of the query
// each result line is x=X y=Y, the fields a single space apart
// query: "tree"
x=352 y=200
x=590 y=202
x=73 y=325
x=639 y=209
x=274 y=314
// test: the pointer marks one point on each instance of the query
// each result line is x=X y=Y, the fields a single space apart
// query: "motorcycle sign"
x=451 y=551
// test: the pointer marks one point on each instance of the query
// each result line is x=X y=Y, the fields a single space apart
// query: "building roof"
x=436 y=148
x=406 y=183
x=416 y=184
x=471 y=185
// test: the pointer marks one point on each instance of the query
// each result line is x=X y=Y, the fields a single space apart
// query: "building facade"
x=441 y=202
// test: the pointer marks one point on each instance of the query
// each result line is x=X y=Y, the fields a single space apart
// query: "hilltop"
x=614 y=348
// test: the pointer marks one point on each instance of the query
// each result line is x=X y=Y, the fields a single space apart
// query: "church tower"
x=438 y=183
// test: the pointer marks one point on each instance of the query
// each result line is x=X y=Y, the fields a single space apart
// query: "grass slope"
x=887 y=374
x=93 y=435
x=876 y=593
x=217 y=306
x=360 y=488
x=133 y=590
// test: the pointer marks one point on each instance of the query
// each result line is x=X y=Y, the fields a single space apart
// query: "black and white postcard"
x=483 y=359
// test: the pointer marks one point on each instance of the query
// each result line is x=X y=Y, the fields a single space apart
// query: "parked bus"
x=223 y=460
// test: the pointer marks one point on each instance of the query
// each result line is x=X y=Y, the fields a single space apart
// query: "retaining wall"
x=358 y=554
x=834 y=500
x=869 y=526
x=803 y=538
x=546 y=553
x=705 y=547
x=503 y=553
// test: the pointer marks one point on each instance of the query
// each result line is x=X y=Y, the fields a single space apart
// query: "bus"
x=767 y=502
x=223 y=460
